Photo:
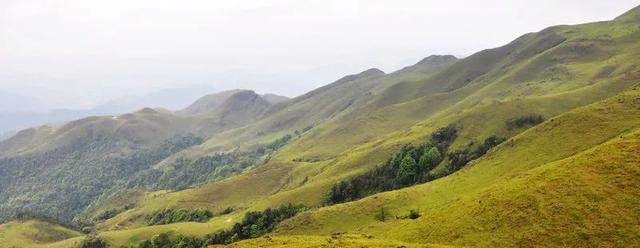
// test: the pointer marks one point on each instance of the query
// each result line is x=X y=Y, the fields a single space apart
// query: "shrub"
x=522 y=121
x=93 y=242
x=414 y=214
x=107 y=214
x=227 y=210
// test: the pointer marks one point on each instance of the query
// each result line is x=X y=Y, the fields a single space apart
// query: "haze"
x=77 y=54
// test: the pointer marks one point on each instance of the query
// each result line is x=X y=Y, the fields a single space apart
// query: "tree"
x=430 y=158
x=407 y=170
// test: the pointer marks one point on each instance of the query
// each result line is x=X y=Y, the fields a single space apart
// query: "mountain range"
x=531 y=144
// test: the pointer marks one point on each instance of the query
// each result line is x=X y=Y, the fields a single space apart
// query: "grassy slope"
x=547 y=73
x=359 y=139
x=33 y=233
x=567 y=181
x=306 y=241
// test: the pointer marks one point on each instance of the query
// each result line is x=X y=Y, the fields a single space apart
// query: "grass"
x=554 y=185
x=336 y=240
x=564 y=182
x=365 y=135
x=33 y=233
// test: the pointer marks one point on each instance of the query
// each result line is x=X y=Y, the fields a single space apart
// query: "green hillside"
x=565 y=100
x=34 y=233
x=111 y=153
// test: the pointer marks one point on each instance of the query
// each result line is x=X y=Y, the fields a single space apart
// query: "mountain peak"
x=431 y=64
x=147 y=111
x=372 y=72
x=437 y=59
x=209 y=102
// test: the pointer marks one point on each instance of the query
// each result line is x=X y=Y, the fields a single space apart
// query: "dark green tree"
x=407 y=170
x=429 y=159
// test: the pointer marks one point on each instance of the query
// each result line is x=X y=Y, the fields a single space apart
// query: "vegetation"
x=111 y=212
x=165 y=240
x=411 y=165
x=523 y=121
x=97 y=174
x=459 y=158
x=184 y=172
x=254 y=224
x=168 y=216
x=567 y=180
x=93 y=242
x=32 y=233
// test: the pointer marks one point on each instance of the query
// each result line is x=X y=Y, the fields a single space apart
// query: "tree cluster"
x=168 y=216
x=408 y=166
x=411 y=165
x=254 y=224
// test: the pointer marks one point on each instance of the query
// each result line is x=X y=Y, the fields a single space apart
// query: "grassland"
x=569 y=181
x=33 y=233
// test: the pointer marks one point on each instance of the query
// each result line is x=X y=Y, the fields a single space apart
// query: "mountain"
x=275 y=99
x=17 y=102
x=529 y=144
x=107 y=153
x=21 y=112
x=208 y=102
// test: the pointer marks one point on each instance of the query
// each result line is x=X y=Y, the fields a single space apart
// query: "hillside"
x=106 y=154
x=33 y=233
x=536 y=145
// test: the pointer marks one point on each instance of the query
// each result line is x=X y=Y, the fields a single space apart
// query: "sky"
x=79 y=53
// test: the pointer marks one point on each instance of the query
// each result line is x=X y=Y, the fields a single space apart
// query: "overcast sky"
x=77 y=53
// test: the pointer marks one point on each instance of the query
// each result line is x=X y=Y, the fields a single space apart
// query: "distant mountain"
x=208 y=102
x=172 y=99
x=23 y=112
x=213 y=101
x=15 y=102
x=274 y=99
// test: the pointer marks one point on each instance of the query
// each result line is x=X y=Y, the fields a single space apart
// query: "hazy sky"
x=79 y=52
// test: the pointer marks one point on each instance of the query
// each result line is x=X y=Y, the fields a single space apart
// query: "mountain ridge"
x=564 y=100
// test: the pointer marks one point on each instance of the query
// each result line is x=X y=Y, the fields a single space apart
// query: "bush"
x=107 y=214
x=522 y=121
x=227 y=210
x=93 y=242
x=414 y=214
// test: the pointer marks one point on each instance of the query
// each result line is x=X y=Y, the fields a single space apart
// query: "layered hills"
x=537 y=146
